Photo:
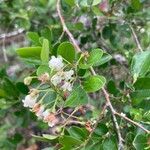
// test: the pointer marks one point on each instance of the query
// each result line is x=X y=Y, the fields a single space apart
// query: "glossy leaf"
x=77 y=97
x=141 y=94
x=140 y=64
x=69 y=141
x=78 y=133
x=67 y=51
x=10 y=88
x=142 y=88
x=105 y=58
x=109 y=143
x=42 y=69
x=34 y=37
x=50 y=137
x=40 y=138
x=136 y=4
x=142 y=83
x=94 y=83
x=94 y=57
x=29 y=52
x=140 y=142
x=3 y=93
x=70 y=2
x=22 y=87
x=45 y=51
x=88 y=3
x=101 y=129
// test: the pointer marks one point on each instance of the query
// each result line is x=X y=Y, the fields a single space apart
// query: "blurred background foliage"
x=107 y=24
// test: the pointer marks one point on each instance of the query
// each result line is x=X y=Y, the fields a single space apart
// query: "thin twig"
x=120 y=140
x=132 y=122
x=61 y=36
x=75 y=110
x=65 y=29
x=6 y=35
x=136 y=39
x=11 y=34
x=4 y=51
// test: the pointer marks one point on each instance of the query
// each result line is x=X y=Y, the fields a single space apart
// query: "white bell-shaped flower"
x=39 y=113
x=68 y=75
x=56 y=79
x=50 y=118
x=51 y=124
x=67 y=86
x=45 y=113
x=56 y=63
x=29 y=101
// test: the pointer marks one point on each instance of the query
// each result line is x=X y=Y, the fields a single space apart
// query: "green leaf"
x=141 y=94
x=88 y=3
x=3 y=93
x=136 y=113
x=105 y=58
x=101 y=129
x=67 y=51
x=29 y=52
x=111 y=87
x=10 y=88
x=109 y=143
x=50 y=137
x=16 y=138
x=47 y=34
x=140 y=64
x=77 y=97
x=94 y=83
x=49 y=98
x=140 y=142
x=147 y=115
x=69 y=141
x=95 y=146
x=94 y=57
x=142 y=89
x=78 y=133
x=70 y=2
x=40 y=138
x=42 y=69
x=45 y=51
x=22 y=88
x=34 y=37
x=142 y=83
x=136 y=4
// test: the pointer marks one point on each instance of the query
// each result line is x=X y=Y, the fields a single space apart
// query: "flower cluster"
x=61 y=78
x=31 y=101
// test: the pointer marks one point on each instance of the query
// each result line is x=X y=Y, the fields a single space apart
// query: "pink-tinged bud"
x=36 y=107
x=50 y=118
x=44 y=78
x=88 y=126
x=104 y=6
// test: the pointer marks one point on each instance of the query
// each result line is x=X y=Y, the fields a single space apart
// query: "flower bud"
x=27 y=80
x=34 y=92
x=44 y=78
